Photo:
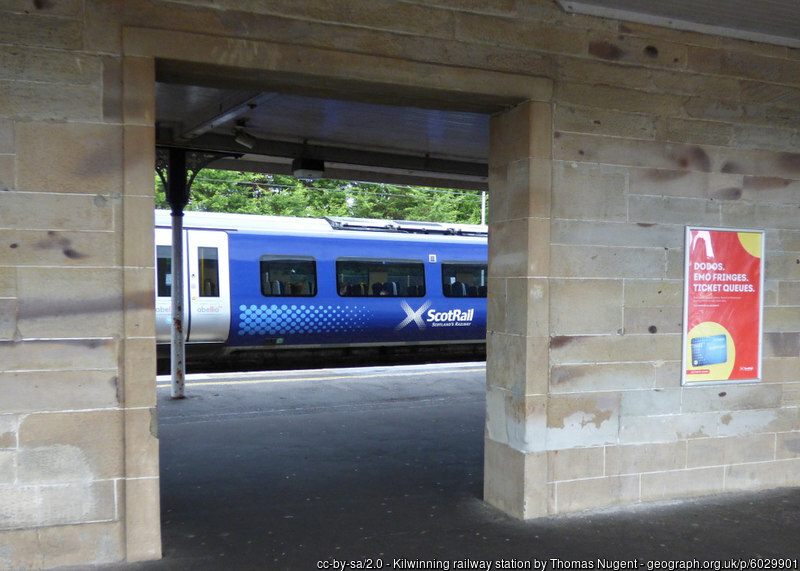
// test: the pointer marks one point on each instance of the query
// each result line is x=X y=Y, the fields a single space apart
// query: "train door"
x=206 y=292
x=209 y=286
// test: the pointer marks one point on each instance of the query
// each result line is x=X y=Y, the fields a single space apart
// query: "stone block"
x=521 y=133
x=762 y=137
x=596 y=233
x=112 y=90
x=142 y=508
x=731 y=397
x=761 y=476
x=7 y=138
x=59 y=504
x=585 y=307
x=598 y=121
x=141 y=443
x=58 y=390
x=742 y=64
x=780 y=371
x=140 y=372
x=639 y=320
x=69 y=302
x=519 y=34
x=138 y=100
x=588 y=192
x=495 y=304
x=682 y=483
x=26 y=29
x=529 y=315
x=724 y=451
x=601 y=377
x=139 y=158
x=606 y=262
x=645 y=458
x=575 y=463
x=31 y=101
x=496 y=429
x=674 y=210
x=139 y=292
x=586 y=419
x=8 y=465
x=64 y=545
x=57 y=248
x=9 y=426
x=528 y=188
x=781 y=319
x=59 y=354
x=682 y=183
x=81 y=157
x=777 y=344
x=789 y=293
x=788 y=445
x=593 y=493
x=791 y=394
x=45 y=211
x=651 y=402
x=7 y=172
x=34 y=64
x=8 y=318
x=696 y=131
x=668 y=374
x=91 y=443
x=668 y=428
x=524 y=253
x=742 y=422
x=653 y=293
x=589 y=349
x=619 y=98
x=526 y=420
x=504 y=478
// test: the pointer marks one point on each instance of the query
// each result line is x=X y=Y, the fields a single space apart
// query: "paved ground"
x=382 y=469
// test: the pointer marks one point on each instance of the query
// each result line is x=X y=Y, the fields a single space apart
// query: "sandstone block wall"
x=629 y=133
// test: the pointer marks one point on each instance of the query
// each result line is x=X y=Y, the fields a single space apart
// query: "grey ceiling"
x=379 y=142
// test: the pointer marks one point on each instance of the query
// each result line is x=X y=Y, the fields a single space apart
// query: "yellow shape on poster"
x=711 y=372
x=751 y=242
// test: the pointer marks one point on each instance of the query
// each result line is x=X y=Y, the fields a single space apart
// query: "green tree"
x=281 y=195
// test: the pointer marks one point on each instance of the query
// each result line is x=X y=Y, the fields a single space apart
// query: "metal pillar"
x=178 y=197
x=171 y=165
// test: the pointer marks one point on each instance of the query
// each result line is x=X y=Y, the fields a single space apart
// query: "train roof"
x=329 y=225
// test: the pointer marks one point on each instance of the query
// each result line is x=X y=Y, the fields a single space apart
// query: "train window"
x=464 y=279
x=288 y=276
x=376 y=277
x=164 y=271
x=208 y=268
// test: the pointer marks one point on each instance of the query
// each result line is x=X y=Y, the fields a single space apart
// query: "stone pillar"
x=515 y=472
x=142 y=515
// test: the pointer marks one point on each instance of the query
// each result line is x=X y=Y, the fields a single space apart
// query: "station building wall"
x=612 y=138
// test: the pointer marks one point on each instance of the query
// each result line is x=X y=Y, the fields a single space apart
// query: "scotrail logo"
x=451 y=318
x=411 y=315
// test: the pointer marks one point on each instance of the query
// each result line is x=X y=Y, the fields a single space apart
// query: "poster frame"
x=757 y=378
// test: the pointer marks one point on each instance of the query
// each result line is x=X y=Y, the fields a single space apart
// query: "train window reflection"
x=164 y=271
x=358 y=277
x=464 y=279
x=294 y=276
x=208 y=268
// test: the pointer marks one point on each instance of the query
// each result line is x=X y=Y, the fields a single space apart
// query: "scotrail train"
x=277 y=291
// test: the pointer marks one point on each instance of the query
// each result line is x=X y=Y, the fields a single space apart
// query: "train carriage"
x=260 y=286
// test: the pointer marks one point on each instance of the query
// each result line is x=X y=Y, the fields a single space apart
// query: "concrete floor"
x=382 y=468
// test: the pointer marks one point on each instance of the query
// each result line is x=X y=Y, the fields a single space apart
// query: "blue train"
x=274 y=291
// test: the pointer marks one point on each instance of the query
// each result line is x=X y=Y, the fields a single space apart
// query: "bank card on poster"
x=723 y=305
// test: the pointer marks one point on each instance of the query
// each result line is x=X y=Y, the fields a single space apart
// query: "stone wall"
x=630 y=133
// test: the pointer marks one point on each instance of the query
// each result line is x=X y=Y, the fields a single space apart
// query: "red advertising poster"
x=722 y=305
